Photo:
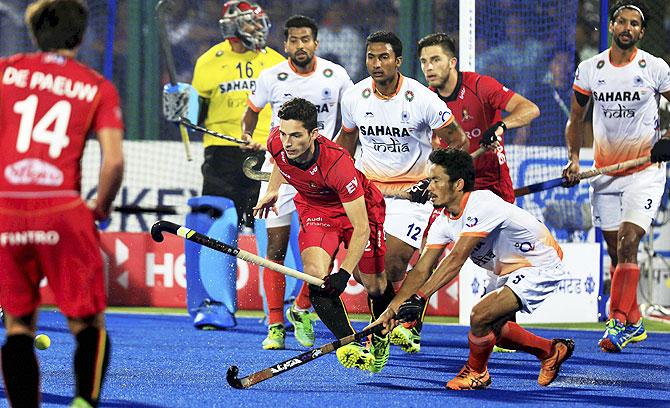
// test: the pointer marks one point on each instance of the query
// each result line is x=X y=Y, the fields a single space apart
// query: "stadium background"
x=531 y=49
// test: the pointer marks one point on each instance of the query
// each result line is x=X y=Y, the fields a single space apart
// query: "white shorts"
x=285 y=204
x=634 y=198
x=406 y=220
x=532 y=285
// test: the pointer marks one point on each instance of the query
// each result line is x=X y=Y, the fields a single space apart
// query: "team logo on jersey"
x=369 y=115
x=638 y=81
x=366 y=93
x=326 y=93
x=465 y=115
x=34 y=172
x=409 y=95
x=282 y=76
x=642 y=63
x=600 y=64
x=404 y=117
x=219 y=53
x=328 y=72
x=524 y=246
x=392 y=147
x=471 y=221
x=238 y=85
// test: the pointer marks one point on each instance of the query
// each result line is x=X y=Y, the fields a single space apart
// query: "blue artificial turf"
x=162 y=361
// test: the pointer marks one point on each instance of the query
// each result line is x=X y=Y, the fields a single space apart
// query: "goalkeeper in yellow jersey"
x=223 y=78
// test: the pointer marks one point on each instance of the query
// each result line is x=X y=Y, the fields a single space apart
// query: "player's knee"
x=313 y=269
x=480 y=316
x=396 y=267
x=276 y=253
x=627 y=247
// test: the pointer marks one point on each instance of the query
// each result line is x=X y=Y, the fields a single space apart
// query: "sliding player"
x=477 y=102
x=624 y=84
x=50 y=102
x=509 y=242
x=322 y=83
x=336 y=204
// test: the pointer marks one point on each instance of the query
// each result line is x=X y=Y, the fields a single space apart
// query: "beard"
x=301 y=64
x=625 y=46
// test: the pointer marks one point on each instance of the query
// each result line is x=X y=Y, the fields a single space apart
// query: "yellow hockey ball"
x=42 y=341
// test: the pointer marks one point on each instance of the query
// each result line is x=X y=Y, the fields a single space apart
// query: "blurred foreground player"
x=336 y=204
x=492 y=239
x=624 y=84
x=49 y=104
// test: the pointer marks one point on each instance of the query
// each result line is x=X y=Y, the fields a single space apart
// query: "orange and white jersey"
x=324 y=87
x=511 y=237
x=395 y=132
x=625 y=110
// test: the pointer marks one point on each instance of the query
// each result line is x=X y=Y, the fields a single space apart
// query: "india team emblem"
x=366 y=93
x=404 y=117
x=466 y=115
x=326 y=93
x=638 y=81
x=282 y=76
x=409 y=95
x=600 y=64
x=328 y=72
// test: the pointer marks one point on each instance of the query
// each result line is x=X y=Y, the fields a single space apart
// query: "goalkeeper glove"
x=661 y=150
x=489 y=137
x=411 y=310
x=335 y=283
x=419 y=193
x=180 y=101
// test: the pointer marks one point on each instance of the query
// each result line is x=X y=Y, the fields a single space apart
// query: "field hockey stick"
x=546 y=185
x=306 y=357
x=201 y=129
x=166 y=226
x=250 y=172
x=161 y=20
x=136 y=209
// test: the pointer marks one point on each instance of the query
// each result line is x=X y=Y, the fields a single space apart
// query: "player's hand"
x=419 y=193
x=492 y=135
x=335 y=283
x=571 y=173
x=175 y=101
x=411 y=310
x=99 y=213
x=253 y=145
x=661 y=150
x=386 y=319
x=266 y=204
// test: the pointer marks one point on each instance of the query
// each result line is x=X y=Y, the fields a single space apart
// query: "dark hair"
x=386 y=37
x=299 y=109
x=629 y=4
x=441 y=39
x=57 y=24
x=457 y=164
x=300 y=21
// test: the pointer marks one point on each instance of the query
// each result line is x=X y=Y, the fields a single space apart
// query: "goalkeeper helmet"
x=246 y=22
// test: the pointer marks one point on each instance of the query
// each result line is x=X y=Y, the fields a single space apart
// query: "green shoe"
x=380 y=347
x=276 y=337
x=409 y=340
x=302 y=322
x=79 y=402
x=353 y=355
x=497 y=349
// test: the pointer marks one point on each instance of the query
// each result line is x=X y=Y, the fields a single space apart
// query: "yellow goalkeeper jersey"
x=226 y=78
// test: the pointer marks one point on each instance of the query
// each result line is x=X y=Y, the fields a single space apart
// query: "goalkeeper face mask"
x=245 y=22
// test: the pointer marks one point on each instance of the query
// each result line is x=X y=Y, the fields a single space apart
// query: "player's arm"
x=521 y=112
x=348 y=138
x=358 y=216
x=574 y=134
x=453 y=135
x=111 y=170
x=267 y=202
x=249 y=122
x=451 y=265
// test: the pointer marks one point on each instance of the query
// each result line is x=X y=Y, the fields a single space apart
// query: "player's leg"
x=274 y=283
x=19 y=362
x=91 y=357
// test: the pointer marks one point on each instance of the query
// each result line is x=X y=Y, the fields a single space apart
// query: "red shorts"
x=54 y=238
x=317 y=230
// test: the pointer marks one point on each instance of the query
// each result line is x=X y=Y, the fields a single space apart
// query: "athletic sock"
x=302 y=301
x=378 y=304
x=633 y=316
x=332 y=312
x=514 y=337
x=90 y=363
x=624 y=290
x=20 y=371
x=274 y=285
x=480 y=350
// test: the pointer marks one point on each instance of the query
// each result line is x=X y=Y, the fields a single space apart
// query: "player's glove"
x=180 y=100
x=411 y=310
x=419 y=193
x=661 y=150
x=335 y=283
x=489 y=137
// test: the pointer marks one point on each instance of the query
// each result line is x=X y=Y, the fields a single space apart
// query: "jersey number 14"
x=57 y=117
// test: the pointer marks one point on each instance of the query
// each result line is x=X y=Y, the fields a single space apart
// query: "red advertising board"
x=141 y=272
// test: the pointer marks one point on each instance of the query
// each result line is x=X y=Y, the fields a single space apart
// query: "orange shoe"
x=562 y=350
x=468 y=379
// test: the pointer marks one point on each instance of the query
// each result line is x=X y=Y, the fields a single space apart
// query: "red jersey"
x=48 y=105
x=328 y=180
x=477 y=103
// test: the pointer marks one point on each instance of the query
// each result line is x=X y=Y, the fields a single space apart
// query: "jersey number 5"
x=57 y=117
